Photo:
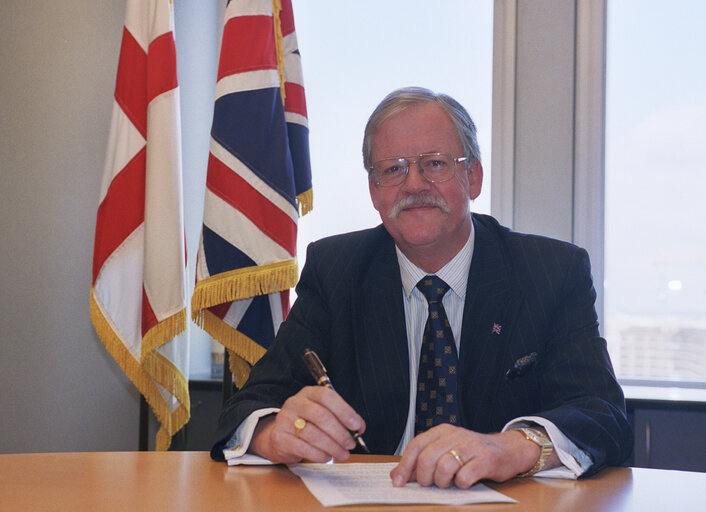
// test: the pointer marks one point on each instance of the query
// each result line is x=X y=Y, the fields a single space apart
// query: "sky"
x=655 y=170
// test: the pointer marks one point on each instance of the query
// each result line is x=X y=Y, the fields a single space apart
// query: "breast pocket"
x=520 y=389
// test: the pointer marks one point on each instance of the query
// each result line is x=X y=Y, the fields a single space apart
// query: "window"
x=353 y=54
x=655 y=239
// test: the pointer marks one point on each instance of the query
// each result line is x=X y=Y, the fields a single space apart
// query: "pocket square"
x=521 y=366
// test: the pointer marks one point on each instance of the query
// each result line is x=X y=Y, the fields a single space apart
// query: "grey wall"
x=544 y=108
x=59 y=388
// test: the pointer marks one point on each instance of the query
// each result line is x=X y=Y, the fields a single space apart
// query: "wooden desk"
x=190 y=481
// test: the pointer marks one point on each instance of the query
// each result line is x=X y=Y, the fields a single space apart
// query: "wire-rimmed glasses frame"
x=435 y=167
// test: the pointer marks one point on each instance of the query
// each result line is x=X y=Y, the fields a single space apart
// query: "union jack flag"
x=258 y=179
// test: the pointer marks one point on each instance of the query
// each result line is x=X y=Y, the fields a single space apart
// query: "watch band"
x=540 y=438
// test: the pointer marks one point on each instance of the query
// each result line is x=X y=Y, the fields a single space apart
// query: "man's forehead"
x=428 y=108
x=419 y=128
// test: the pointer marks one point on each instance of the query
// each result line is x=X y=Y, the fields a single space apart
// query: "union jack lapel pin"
x=497 y=328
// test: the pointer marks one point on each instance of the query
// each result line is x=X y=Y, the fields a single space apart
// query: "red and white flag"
x=259 y=178
x=139 y=291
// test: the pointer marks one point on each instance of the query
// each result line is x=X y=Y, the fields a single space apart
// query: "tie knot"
x=433 y=288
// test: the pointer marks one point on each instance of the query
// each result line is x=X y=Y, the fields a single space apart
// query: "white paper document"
x=367 y=483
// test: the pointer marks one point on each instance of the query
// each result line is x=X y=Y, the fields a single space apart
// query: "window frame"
x=587 y=81
x=515 y=22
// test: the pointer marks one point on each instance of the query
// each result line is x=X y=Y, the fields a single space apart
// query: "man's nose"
x=415 y=177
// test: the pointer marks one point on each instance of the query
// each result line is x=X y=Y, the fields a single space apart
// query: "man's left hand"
x=429 y=458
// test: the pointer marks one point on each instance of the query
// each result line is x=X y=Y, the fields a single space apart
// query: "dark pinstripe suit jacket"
x=537 y=290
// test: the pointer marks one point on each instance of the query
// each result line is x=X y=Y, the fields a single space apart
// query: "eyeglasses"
x=435 y=167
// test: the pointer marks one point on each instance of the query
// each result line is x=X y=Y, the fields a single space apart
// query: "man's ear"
x=475 y=178
x=374 y=190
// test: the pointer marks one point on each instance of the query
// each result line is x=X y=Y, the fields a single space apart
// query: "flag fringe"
x=163 y=332
x=167 y=374
x=242 y=283
x=305 y=202
x=242 y=351
x=239 y=367
x=162 y=370
x=276 y=9
x=155 y=367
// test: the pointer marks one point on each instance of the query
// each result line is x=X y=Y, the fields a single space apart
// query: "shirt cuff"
x=570 y=455
x=238 y=444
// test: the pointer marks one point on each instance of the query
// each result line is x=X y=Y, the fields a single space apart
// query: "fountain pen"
x=318 y=371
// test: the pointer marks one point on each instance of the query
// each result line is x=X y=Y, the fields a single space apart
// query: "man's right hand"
x=328 y=418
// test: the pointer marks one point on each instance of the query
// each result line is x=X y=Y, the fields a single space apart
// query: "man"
x=523 y=382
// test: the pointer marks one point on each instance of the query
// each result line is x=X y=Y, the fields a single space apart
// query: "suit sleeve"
x=280 y=373
x=578 y=388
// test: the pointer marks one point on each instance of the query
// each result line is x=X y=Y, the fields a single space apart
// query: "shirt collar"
x=454 y=273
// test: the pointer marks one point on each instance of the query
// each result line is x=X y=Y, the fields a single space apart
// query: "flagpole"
x=144 y=425
x=227 y=390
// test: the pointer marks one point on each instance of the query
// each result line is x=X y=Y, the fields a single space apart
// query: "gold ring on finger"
x=299 y=424
x=455 y=455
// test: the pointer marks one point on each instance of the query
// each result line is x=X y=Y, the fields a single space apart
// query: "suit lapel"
x=381 y=346
x=488 y=315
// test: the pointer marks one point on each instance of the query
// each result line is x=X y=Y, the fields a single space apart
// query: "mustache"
x=418 y=200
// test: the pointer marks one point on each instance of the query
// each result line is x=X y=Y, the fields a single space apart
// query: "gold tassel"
x=155 y=368
x=276 y=9
x=231 y=339
x=239 y=368
x=163 y=332
x=305 y=202
x=242 y=283
x=243 y=352
x=162 y=370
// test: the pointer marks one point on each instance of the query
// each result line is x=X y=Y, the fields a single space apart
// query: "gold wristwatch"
x=540 y=438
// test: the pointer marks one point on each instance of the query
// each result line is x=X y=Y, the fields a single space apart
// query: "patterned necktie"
x=436 y=381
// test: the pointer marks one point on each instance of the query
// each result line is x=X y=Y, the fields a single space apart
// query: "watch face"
x=537 y=436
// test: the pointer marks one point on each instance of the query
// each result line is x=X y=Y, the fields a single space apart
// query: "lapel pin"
x=497 y=328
